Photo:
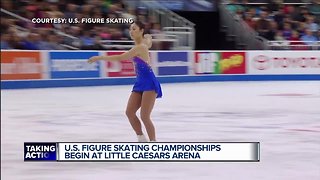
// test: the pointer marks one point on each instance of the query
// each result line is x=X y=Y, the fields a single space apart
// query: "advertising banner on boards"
x=173 y=63
x=73 y=65
x=283 y=62
x=19 y=65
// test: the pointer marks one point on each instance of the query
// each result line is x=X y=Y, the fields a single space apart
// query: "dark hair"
x=139 y=24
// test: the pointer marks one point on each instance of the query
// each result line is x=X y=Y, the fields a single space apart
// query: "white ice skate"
x=142 y=138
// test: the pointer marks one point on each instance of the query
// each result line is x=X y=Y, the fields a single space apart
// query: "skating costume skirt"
x=146 y=80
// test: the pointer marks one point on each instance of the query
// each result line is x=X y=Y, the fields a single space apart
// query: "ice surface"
x=283 y=116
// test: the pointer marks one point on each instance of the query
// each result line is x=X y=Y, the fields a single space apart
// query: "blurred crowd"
x=296 y=22
x=17 y=33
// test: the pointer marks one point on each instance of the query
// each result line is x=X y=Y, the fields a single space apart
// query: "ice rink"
x=283 y=116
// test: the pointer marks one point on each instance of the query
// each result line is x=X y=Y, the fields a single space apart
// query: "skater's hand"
x=94 y=59
x=147 y=36
x=147 y=40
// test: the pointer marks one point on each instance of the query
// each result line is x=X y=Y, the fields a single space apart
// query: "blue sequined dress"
x=146 y=80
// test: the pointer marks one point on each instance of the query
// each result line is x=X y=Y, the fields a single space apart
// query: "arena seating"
x=285 y=24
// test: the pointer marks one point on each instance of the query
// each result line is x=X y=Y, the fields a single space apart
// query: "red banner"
x=232 y=63
x=121 y=68
x=17 y=65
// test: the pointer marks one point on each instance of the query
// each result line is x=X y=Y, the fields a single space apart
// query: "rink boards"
x=39 y=69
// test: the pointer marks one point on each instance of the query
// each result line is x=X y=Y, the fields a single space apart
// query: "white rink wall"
x=38 y=69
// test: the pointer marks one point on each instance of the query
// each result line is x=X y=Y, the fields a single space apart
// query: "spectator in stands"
x=29 y=42
x=263 y=25
x=234 y=6
x=105 y=34
x=279 y=36
x=4 y=25
x=85 y=10
x=301 y=28
x=42 y=11
x=272 y=5
x=96 y=13
x=239 y=14
x=32 y=6
x=45 y=39
x=254 y=13
x=304 y=14
x=287 y=30
x=55 y=42
x=70 y=11
x=97 y=44
x=7 y=5
x=280 y=41
x=86 y=39
x=28 y=24
x=309 y=38
x=116 y=34
x=158 y=35
x=43 y=42
x=113 y=26
x=126 y=32
x=44 y=14
x=279 y=17
x=120 y=5
x=147 y=27
x=142 y=18
x=294 y=15
x=295 y=38
x=129 y=14
x=5 y=41
x=15 y=42
x=314 y=27
x=74 y=31
x=54 y=11
x=295 y=41
x=156 y=29
x=248 y=18
x=273 y=30
x=314 y=7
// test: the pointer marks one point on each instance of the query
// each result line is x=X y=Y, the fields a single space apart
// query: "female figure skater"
x=146 y=88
